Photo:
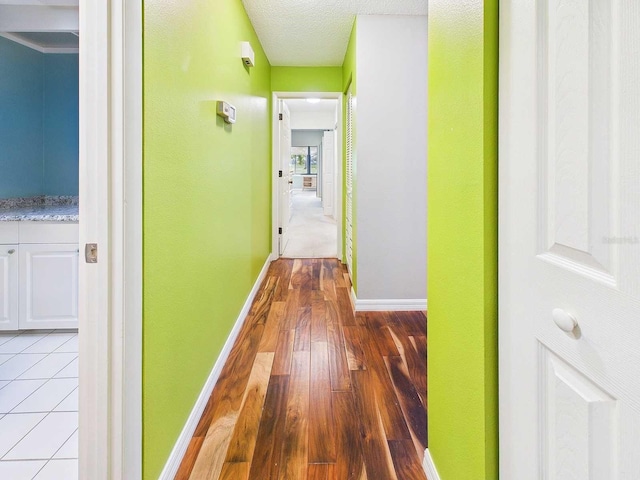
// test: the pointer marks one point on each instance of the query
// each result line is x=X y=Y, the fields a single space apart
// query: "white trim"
x=388 y=305
x=275 y=187
x=22 y=41
x=110 y=300
x=95 y=293
x=126 y=245
x=35 y=46
x=181 y=445
x=275 y=155
x=429 y=467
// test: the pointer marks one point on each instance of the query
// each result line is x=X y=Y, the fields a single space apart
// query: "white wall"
x=320 y=120
x=392 y=157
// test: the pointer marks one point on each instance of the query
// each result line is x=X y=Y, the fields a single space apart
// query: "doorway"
x=39 y=244
x=108 y=251
x=307 y=205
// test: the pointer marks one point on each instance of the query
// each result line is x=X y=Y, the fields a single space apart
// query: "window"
x=304 y=160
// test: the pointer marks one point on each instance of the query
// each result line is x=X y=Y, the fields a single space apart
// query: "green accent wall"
x=349 y=76
x=306 y=79
x=207 y=201
x=349 y=79
x=462 y=232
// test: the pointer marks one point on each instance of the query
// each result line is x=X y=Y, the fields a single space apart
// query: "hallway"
x=311 y=391
x=312 y=234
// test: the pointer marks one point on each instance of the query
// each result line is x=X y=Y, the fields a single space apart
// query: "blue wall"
x=21 y=126
x=38 y=122
x=61 y=124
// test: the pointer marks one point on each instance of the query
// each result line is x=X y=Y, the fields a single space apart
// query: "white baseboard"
x=180 y=448
x=429 y=467
x=388 y=305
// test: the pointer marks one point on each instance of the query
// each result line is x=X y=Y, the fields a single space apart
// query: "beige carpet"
x=311 y=233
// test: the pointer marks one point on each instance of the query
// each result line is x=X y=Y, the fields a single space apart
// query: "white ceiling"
x=316 y=32
x=50 y=3
x=39 y=16
x=302 y=106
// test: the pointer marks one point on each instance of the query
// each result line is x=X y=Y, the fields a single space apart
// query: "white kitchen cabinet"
x=48 y=286
x=9 y=287
x=38 y=275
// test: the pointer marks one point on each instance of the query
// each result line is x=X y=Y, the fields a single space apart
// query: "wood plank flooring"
x=313 y=392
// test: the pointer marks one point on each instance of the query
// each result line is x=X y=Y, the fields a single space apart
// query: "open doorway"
x=307 y=205
x=39 y=243
x=57 y=306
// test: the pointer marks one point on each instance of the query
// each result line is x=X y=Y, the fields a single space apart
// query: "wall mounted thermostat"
x=226 y=111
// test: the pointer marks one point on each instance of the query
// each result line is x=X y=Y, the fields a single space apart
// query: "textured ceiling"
x=316 y=32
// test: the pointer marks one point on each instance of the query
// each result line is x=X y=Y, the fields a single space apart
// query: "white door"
x=569 y=240
x=328 y=172
x=8 y=287
x=285 y=180
x=48 y=286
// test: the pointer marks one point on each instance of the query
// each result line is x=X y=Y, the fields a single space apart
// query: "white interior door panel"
x=569 y=240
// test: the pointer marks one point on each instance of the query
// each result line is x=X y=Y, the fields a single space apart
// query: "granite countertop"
x=39 y=209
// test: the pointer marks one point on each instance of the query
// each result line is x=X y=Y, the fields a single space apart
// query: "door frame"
x=275 y=198
x=110 y=188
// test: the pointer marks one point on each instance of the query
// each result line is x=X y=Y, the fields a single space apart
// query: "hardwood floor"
x=313 y=392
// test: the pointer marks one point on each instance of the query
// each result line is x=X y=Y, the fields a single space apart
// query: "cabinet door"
x=8 y=287
x=48 y=286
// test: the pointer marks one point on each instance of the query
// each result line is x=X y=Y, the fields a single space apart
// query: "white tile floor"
x=39 y=405
x=312 y=234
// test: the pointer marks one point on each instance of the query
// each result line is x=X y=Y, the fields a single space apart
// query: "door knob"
x=12 y=251
x=565 y=322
